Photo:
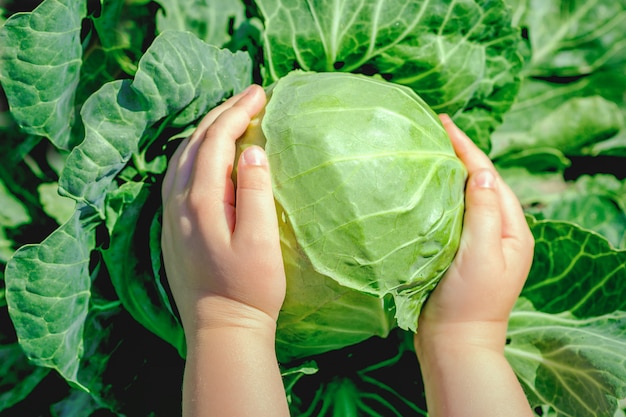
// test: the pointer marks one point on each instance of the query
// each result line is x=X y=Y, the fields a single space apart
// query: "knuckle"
x=254 y=178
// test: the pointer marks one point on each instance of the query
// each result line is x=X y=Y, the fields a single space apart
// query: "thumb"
x=482 y=227
x=256 y=211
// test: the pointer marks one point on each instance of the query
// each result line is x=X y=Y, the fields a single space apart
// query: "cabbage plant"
x=96 y=95
x=370 y=197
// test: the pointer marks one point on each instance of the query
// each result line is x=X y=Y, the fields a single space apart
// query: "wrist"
x=212 y=314
x=452 y=338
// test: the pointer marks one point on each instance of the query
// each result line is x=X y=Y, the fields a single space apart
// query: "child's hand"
x=220 y=245
x=472 y=303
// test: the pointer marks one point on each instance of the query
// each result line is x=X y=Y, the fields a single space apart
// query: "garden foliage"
x=97 y=95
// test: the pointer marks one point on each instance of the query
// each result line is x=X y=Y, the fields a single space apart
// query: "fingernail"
x=445 y=118
x=485 y=179
x=254 y=156
x=247 y=90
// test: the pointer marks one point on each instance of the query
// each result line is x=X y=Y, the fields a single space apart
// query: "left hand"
x=221 y=245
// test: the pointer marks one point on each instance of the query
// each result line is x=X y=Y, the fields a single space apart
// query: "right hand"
x=472 y=303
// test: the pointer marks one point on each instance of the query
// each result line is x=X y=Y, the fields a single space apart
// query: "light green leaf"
x=12 y=214
x=575 y=366
x=179 y=76
x=40 y=60
x=542 y=124
x=460 y=56
x=575 y=270
x=369 y=183
x=593 y=202
x=114 y=122
x=576 y=37
x=47 y=292
x=6 y=251
x=212 y=21
x=58 y=207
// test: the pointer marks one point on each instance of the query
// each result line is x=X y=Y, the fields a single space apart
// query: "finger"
x=513 y=220
x=256 y=221
x=482 y=225
x=467 y=151
x=518 y=240
x=215 y=112
x=210 y=185
x=188 y=157
x=513 y=227
x=172 y=170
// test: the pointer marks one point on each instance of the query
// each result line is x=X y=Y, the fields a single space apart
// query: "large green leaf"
x=576 y=271
x=13 y=214
x=594 y=202
x=40 y=60
x=460 y=56
x=180 y=76
x=127 y=261
x=121 y=36
x=573 y=37
x=575 y=366
x=48 y=285
x=212 y=21
x=48 y=290
x=541 y=121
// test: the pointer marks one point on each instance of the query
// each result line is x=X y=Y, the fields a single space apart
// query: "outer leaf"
x=460 y=56
x=40 y=59
x=47 y=291
x=13 y=214
x=102 y=340
x=121 y=30
x=576 y=366
x=57 y=207
x=541 y=119
x=595 y=202
x=178 y=73
x=320 y=315
x=575 y=37
x=575 y=270
x=369 y=183
x=131 y=274
x=211 y=21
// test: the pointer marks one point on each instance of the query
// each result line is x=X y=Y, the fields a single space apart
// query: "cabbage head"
x=370 y=200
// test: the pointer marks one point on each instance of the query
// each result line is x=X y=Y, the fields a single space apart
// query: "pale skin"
x=222 y=257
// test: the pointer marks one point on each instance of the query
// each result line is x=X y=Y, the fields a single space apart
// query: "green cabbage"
x=370 y=202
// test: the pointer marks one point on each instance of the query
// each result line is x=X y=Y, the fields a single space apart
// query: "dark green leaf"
x=178 y=75
x=213 y=21
x=17 y=377
x=128 y=261
x=575 y=270
x=40 y=56
x=48 y=290
x=574 y=366
x=460 y=56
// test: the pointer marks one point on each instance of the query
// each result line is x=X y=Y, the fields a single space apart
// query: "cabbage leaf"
x=461 y=57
